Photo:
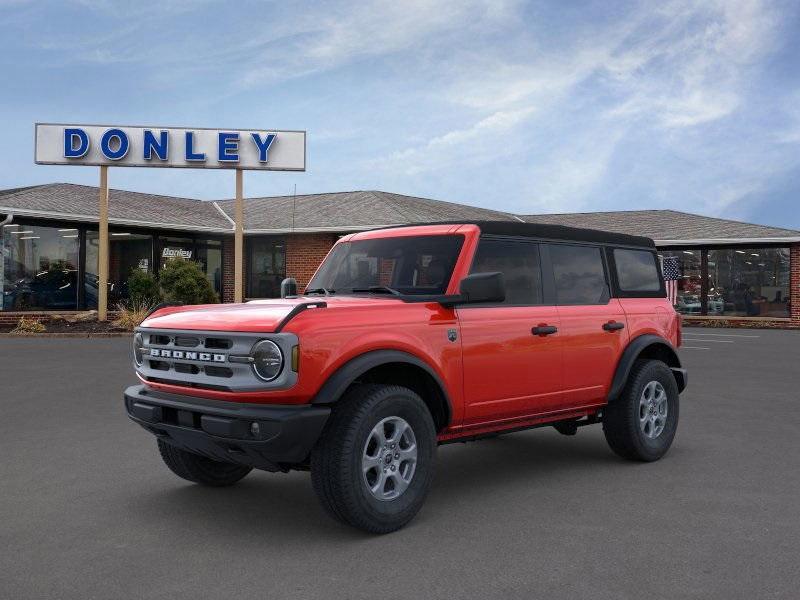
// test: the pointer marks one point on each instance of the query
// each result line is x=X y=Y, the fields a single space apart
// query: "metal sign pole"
x=238 y=253
x=102 y=258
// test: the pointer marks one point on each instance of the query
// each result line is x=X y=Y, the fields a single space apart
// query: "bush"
x=143 y=288
x=132 y=313
x=25 y=325
x=184 y=281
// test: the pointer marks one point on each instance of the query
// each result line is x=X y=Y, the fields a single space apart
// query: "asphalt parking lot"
x=87 y=509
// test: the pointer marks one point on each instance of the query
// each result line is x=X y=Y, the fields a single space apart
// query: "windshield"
x=392 y=265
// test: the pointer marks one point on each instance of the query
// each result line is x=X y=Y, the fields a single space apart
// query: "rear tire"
x=373 y=465
x=641 y=423
x=199 y=469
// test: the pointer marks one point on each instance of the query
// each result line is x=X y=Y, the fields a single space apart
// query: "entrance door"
x=510 y=371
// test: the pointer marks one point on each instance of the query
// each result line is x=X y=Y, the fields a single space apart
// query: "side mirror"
x=288 y=287
x=483 y=287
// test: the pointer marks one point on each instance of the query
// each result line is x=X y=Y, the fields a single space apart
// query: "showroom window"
x=128 y=251
x=690 y=280
x=206 y=252
x=39 y=267
x=266 y=267
x=748 y=282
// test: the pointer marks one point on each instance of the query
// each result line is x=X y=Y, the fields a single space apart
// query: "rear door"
x=510 y=371
x=593 y=325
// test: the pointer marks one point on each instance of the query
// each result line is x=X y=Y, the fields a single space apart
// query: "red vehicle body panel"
x=497 y=374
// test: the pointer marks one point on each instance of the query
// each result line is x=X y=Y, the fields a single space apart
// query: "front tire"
x=641 y=423
x=199 y=469
x=373 y=465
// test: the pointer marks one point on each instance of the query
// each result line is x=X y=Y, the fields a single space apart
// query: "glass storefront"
x=690 y=280
x=266 y=267
x=738 y=281
x=128 y=251
x=39 y=267
x=748 y=282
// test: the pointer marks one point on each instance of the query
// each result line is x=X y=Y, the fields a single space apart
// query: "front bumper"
x=224 y=430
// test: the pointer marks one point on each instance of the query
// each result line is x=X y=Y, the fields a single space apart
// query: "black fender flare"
x=634 y=350
x=337 y=384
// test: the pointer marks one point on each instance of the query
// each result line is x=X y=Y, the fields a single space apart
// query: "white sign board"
x=189 y=148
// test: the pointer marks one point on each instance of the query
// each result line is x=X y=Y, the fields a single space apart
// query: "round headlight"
x=267 y=360
x=138 y=344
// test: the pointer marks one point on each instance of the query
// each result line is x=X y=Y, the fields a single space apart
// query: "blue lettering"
x=190 y=153
x=159 y=146
x=70 y=137
x=263 y=145
x=228 y=147
x=122 y=146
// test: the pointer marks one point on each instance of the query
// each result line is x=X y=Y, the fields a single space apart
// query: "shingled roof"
x=350 y=211
x=354 y=211
x=669 y=227
x=72 y=202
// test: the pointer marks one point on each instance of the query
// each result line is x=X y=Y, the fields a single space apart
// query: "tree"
x=143 y=288
x=184 y=281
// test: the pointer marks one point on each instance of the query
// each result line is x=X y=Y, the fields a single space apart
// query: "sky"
x=525 y=107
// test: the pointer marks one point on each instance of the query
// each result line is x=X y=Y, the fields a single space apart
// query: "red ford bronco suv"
x=411 y=337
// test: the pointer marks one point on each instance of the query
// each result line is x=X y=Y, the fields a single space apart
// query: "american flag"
x=671 y=270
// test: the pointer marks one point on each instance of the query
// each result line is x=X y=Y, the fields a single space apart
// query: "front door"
x=511 y=351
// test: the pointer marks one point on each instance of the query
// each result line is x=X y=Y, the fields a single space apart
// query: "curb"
x=115 y=334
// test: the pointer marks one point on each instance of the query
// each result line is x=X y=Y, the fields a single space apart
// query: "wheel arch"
x=646 y=346
x=391 y=367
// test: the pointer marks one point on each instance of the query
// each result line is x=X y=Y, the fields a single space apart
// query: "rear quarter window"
x=637 y=270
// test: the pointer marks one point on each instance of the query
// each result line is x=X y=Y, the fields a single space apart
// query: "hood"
x=262 y=316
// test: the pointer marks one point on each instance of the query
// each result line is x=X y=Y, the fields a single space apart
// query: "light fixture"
x=754 y=254
x=12 y=225
x=747 y=262
x=68 y=230
x=30 y=237
x=21 y=232
x=741 y=252
x=70 y=236
x=688 y=252
x=118 y=234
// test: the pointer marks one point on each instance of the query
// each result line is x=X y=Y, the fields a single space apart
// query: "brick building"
x=729 y=272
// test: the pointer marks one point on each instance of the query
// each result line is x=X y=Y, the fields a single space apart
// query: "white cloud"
x=478 y=142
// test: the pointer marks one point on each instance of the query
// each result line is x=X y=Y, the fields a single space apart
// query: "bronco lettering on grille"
x=183 y=354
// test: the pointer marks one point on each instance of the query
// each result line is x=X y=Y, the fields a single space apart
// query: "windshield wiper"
x=378 y=289
x=320 y=290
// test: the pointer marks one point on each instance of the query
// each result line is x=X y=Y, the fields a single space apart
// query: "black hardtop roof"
x=551 y=232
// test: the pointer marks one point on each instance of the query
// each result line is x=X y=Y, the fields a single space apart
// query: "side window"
x=636 y=270
x=519 y=264
x=579 y=274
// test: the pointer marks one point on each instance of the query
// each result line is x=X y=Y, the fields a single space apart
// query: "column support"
x=238 y=252
x=102 y=255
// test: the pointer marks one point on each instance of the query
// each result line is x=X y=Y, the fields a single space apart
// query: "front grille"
x=201 y=359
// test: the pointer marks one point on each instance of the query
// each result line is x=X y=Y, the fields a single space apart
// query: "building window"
x=690 y=280
x=127 y=252
x=209 y=255
x=39 y=268
x=748 y=282
x=266 y=267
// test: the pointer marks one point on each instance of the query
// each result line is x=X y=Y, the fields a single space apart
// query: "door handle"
x=613 y=326
x=544 y=330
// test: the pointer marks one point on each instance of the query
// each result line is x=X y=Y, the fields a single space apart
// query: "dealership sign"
x=193 y=148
